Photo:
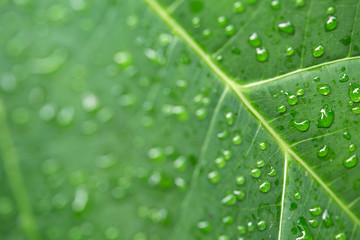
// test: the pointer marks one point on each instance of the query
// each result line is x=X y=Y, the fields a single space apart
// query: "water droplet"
x=80 y=200
x=156 y=154
x=299 y=3
x=223 y=134
x=229 y=200
x=230 y=30
x=275 y=4
x=223 y=237
x=206 y=33
x=330 y=10
x=356 y=110
x=261 y=225
x=331 y=23
x=352 y=147
x=323 y=151
x=344 y=78
x=316 y=79
x=350 y=103
x=214 y=176
x=240 y=180
x=260 y=163
x=204 y=226
x=323 y=89
x=300 y=92
x=292 y=99
x=340 y=235
x=237 y=139
x=229 y=116
x=347 y=135
x=180 y=163
x=351 y=161
x=180 y=183
x=281 y=108
x=251 y=227
x=262 y=54
x=220 y=162
x=315 y=211
x=262 y=145
x=326 y=117
x=313 y=222
x=227 y=154
x=326 y=219
x=302 y=125
x=286 y=27
x=222 y=21
x=255 y=172
x=297 y=195
x=238 y=6
x=219 y=58
x=228 y=220
x=241 y=229
x=65 y=116
x=124 y=59
x=304 y=230
x=318 y=51
x=264 y=186
x=354 y=92
x=272 y=172
x=289 y=51
x=196 y=22
x=254 y=40
x=239 y=194
x=200 y=113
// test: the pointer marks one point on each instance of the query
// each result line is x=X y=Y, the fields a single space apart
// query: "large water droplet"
x=281 y=108
x=264 y=186
x=326 y=117
x=323 y=89
x=254 y=40
x=261 y=225
x=323 y=151
x=255 y=172
x=292 y=99
x=262 y=54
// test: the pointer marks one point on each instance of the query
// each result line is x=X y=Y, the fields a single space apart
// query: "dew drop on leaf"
x=302 y=125
x=286 y=27
x=340 y=235
x=229 y=200
x=239 y=194
x=324 y=89
x=323 y=151
x=261 y=225
x=350 y=161
x=222 y=21
x=262 y=145
x=300 y=92
x=347 y=135
x=254 y=40
x=281 y=108
x=313 y=222
x=297 y=195
x=238 y=6
x=352 y=147
x=289 y=51
x=292 y=99
x=240 y=180
x=236 y=139
x=354 y=92
x=206 y=33
x=262 y=54
x=250 y=227
x=228 y=220
x=214 y=176
x=318 y=51
x=264 y=186
x=230 y=30
x=344 y=78
x=204 y=226
x=275 y=4
x=255 y=172
x=299 y=3
x=200 y=113
x=326 y=117
x=229 y=116
x=315 y=211
x=356 y=110
x=220 y=162
x=260 y=163
x=331 y=23
x=272 y=172
x=241 y=229
x=330 y=10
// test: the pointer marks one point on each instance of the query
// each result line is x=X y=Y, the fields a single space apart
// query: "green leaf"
x=185 y=119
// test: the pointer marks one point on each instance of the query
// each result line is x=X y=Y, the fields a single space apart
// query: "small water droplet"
x=300 y=92
x=330 y=10
x=344 y=78
x=227 y=154
x=200 y=113
x=275 y=4
x=230 y=30
x=356 y=110
x=204 y=226
x=289 y=51
x=347 y=135
x=262 y=145
x=229 y=200
x=180 y=163
x=297 y=195
x=255 y=172
x=331 y=23
x=196 y=22
x=281 y=108
x=239 y=194
x=241 y=229
x=326 y=219
x=228 y=220
x=223 y=134
x=240 y=180
x=340 y=235
x=220 y=162
x=260 y=163
x=318 y=51
x=222 y=21
x=351 y=161
x=286 y=27
x=261 y=225
x=316 y=79
x=262 y=54
x=206 y=33
x=299 y=3
x=315 y=211
x=229 y=116
x=324 y=89
x=238 y=6
x=214 y=176
x=352 y=147
x=272 y=172
x=292 y=99
x=302 y=125
x=264 y=186
x=254 y=40
x=250 y=227
x=323 y=151
x=313 y=222
x=237 y=139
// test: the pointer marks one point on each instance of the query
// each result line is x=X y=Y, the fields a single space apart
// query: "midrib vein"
x=13 y=172
x=177 y=28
